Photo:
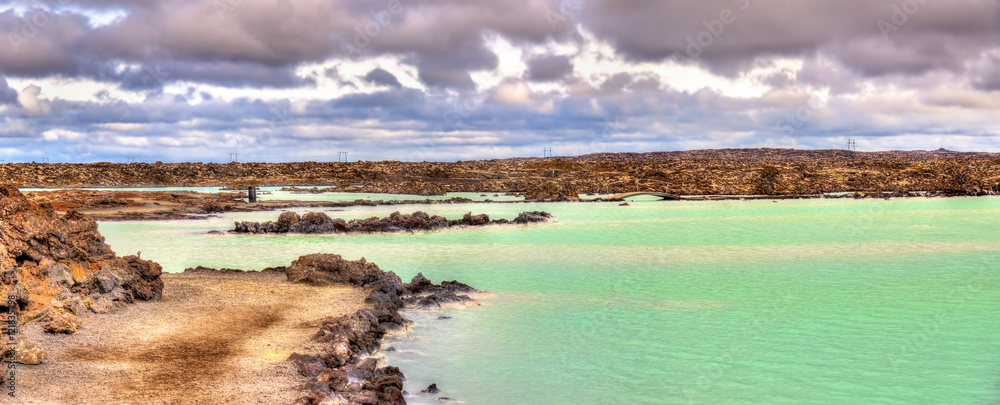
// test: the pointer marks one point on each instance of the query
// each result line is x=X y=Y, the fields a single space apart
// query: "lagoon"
x=724 y=302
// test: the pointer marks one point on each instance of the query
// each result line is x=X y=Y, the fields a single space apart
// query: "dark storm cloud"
x=41 y=43
x=7 y=94
x=986 y=72
x=437 y=77
x=382 y=77
x=224 y=74
x=727 y=35
x=262 y=42
x=548 y=68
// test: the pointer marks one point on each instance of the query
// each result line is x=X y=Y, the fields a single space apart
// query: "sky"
x=444 y=80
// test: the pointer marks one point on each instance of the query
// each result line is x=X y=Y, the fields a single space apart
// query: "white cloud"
x=33 y=105
x=62 y=134
x=513 y=93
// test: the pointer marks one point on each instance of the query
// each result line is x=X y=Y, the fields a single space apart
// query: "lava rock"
x=327 y=269
x=309 y=366
x=61 y=322
x=320 y=223
x=24 y=352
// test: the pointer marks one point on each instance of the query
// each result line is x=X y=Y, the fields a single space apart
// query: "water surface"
x=729 y=302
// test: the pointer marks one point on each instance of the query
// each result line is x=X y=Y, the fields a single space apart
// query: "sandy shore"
x=213 y=338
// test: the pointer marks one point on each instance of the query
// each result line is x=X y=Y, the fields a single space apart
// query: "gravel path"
x=214 y=338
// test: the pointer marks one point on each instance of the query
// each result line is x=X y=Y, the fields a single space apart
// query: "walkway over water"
x=662 y=196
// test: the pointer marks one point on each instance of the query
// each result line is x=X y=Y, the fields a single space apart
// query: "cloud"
x=382 y=77
x=33 y=105
x=280 y=79
x=7 y=94
x=986 y=70
x=513 y=93
x=549 y=68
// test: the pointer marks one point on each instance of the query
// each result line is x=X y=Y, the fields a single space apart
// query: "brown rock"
x=309 y=366
x=326 y=269
x=48 y=261
x=25 y=352
x=100 y=305
x=61 y=322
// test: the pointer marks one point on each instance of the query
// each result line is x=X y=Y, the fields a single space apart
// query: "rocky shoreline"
x=320 y=223
x=345 y=369
x=107 y=205
x=110 y=205
x=57 y=269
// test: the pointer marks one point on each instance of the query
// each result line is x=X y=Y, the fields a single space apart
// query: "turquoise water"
x=734 y=302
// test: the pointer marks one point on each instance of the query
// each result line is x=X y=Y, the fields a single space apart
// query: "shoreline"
x=111 y=205
x=88 y=326
x=234 y=336
x=212 y=337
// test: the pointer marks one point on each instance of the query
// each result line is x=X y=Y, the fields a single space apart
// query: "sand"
x=213 y=338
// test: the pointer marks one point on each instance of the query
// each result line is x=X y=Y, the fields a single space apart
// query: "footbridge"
x=662 y=196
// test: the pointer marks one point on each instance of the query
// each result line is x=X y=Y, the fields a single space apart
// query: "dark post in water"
x=252 y=194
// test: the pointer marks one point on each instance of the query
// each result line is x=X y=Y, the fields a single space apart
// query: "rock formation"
x=58 y=267
x=344 y=370
x=320 y=223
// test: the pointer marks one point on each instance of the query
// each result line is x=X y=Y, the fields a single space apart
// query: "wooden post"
x=252 y=194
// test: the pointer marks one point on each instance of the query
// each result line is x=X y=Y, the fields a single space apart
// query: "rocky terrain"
x=320 y=223
x=106 y=205
x=214 y=338
x=719 y=172
x=58 y=267
x=344 y=369
x=56 y=270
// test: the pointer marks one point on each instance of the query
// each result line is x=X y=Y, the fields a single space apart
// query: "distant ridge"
x=762 y=171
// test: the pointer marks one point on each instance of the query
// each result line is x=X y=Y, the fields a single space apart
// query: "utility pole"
x=130 y=159
x=45 y=160
x=547 y=152
x=342 y=156
x=852 y=145
x=234 y=157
